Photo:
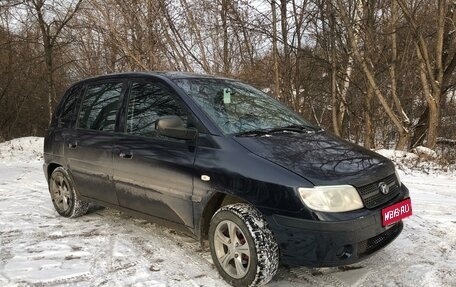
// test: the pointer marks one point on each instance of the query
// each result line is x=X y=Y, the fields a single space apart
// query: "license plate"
x=396 y=212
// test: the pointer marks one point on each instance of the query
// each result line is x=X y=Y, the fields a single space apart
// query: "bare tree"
x=366 y=64
x=436 y=69
x=51 y=27
x=347 y=65
x=275 y=51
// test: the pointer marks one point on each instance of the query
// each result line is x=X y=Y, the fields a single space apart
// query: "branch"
x=422 y=47
x=68 y=16
x=367 y=71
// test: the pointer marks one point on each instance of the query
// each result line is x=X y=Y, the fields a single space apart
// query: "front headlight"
x=336 y=198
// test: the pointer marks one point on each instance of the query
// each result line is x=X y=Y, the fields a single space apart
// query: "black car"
x=226 y=163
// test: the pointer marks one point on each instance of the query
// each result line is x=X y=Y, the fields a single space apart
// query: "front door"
x=154 y=174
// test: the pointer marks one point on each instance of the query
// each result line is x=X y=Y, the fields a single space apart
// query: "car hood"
x=320 y=157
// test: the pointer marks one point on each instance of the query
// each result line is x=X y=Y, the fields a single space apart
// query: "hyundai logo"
x=383 y=187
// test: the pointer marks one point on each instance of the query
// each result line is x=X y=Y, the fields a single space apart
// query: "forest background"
x=379 y=73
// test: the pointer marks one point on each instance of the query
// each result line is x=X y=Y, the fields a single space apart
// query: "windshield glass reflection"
x=238 y=108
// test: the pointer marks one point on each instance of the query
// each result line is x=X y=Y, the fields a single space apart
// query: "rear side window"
x=147 y=102
x=99 y=107
x=67 y=113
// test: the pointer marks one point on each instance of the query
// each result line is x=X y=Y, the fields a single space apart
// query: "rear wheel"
x=243 y=247
x=64 y=197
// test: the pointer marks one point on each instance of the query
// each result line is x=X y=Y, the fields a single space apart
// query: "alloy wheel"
x=60 y=193
x=232 y=249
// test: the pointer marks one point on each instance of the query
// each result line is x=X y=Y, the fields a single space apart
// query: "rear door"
x=154 y=174
x=89 y=146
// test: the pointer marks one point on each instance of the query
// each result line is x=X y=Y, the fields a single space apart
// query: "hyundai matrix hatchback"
x=226 y=163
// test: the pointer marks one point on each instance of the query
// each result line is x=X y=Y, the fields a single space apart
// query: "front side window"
x=99 y=107
x=149 y=101
x=236 y=107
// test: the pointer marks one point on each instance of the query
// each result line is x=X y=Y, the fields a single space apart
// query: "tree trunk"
x=392 y=70
x=404 y=138
x=431 y=69
x=51 y=94
x=334 y=104
x=367 y=69
x=275 y=52
x=368 y=132
x=433 y=124
x=344 y=92
x=287 y=90
x=298 y=17
x=49 y=43
x=420 y=129
x=226 y=60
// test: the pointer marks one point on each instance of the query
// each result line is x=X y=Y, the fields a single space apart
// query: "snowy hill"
x=27 y=149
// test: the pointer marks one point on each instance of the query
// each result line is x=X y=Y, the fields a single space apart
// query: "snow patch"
x=424 y=152
x=26 y=149
x=397 y=155
x=421 y=160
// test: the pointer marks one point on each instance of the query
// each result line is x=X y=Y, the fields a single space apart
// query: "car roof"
x=166 y=74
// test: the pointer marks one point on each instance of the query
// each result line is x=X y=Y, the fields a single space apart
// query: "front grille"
x=371 y=195
x=373 y=244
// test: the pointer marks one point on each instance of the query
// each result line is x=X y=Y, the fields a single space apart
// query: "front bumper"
x=316 y=243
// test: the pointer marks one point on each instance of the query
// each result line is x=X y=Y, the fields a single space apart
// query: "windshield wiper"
x=290 y=128
x=257 y=132
x=297 y=128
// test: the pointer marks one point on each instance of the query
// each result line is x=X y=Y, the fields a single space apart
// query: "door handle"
x=72 y=144
x=126 y=155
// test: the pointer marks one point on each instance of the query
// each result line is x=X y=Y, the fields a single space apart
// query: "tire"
x=63 y=195
x=251 y=256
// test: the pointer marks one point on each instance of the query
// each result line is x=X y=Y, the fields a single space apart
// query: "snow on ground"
x=108 y=248
x=420 y=160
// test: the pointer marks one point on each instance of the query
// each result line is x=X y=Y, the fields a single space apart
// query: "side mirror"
x=173 y=127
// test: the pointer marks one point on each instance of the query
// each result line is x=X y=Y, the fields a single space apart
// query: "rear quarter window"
x=67 y=112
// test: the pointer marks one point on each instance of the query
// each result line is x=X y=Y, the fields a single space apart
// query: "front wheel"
x=64 y=197
x=243 y=247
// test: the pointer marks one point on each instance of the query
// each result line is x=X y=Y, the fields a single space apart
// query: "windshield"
x=238 y=108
